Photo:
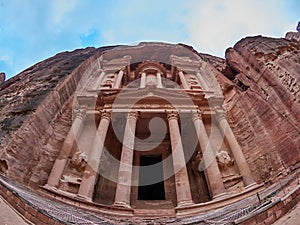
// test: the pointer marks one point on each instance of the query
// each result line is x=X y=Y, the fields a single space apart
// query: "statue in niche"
x=151 y=80
x=196 y=161
x=79 y=161
x=225 y=163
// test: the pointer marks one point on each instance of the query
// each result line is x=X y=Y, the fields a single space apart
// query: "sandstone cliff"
x=2 y=78
x=294 y=36
x=262 y=100
x=29 y=102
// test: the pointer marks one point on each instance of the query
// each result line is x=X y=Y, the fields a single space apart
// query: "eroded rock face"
x=2 y=78
x=294 y=36
x=264 y=110
x=29 y=102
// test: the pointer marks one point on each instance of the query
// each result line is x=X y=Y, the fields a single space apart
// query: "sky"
x=33 y=30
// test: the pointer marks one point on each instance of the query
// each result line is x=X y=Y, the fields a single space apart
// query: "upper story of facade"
x=149 y=70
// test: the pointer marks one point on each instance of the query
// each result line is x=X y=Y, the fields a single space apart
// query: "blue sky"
x=33 y=30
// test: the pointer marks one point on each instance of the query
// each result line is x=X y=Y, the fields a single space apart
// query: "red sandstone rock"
x=294 y=36
x=2 y=77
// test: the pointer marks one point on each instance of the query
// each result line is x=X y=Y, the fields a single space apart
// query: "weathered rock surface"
x=2 y=78
x=264 y=110
x=294 y=36
x=29 y=102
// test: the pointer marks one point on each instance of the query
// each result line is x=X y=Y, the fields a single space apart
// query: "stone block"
x=36 y=221
x=279 y=213
x=42 y=217
x=27 y=215
x=32 y=211
x=261 y=217
x=249 y=221
x=20 y=209
x=270 y=219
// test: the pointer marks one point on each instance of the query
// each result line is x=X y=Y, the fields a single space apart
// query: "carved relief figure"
x=225 y=163
x=79 y=160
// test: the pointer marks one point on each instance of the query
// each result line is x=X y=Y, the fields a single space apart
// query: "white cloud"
x=60 y=8
x=4 y=58
x=215 y=25
x=34 y=30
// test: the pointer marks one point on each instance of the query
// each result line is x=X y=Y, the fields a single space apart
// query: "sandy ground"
x=8 y=216
x=291 y=218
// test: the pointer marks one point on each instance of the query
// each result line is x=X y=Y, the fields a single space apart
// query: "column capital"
x=105 y=114
x=79 y=112
x=197 y=115
x=133 y=115
x=220 y=114
x=172 y=115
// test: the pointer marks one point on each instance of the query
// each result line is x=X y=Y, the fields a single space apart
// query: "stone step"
x=154 y=213
x=153 y=204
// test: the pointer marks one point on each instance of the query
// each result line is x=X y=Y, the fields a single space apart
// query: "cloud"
x=34 y=30
x=215 y=25
x=5 y=58
x=61 y=8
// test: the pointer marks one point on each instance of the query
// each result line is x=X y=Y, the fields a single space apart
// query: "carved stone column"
x=143 y=80
x=183 y=80
x=98 y=81
x=90 y=174
x=119 y=79
x=159 y=82
x=62 y=159
x=123 y=190
x=182 y=184
x=212 y=170
x=202 y=82
x=235 y=149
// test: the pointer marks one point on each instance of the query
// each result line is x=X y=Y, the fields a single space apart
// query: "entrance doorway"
x=153 y=177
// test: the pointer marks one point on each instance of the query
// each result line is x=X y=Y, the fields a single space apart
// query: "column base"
x=185 y=203
x=84 y=198
x=122 y=205
x=49 y=187
x=220 y=196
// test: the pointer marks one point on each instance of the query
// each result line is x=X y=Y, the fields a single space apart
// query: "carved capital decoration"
x=105 y=114
x=197 y=115
x=220 y=114
x=172 y=115
x=79 y=113
x=133 y=115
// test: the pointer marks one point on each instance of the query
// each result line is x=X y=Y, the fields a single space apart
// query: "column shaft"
x=236 y=150
x=123 y=190
x=183 y=190
x=119 y=79
x=183 y=80
x=98 y=81
x=143 y=80
x=202 y=82
x=159 y=82
x=212 y=170
x=62 y=159
x=90 y=174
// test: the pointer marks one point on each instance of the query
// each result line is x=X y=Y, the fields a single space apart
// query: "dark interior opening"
x=154 y=191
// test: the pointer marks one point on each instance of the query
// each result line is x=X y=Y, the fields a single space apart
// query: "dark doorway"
x=152 y=176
